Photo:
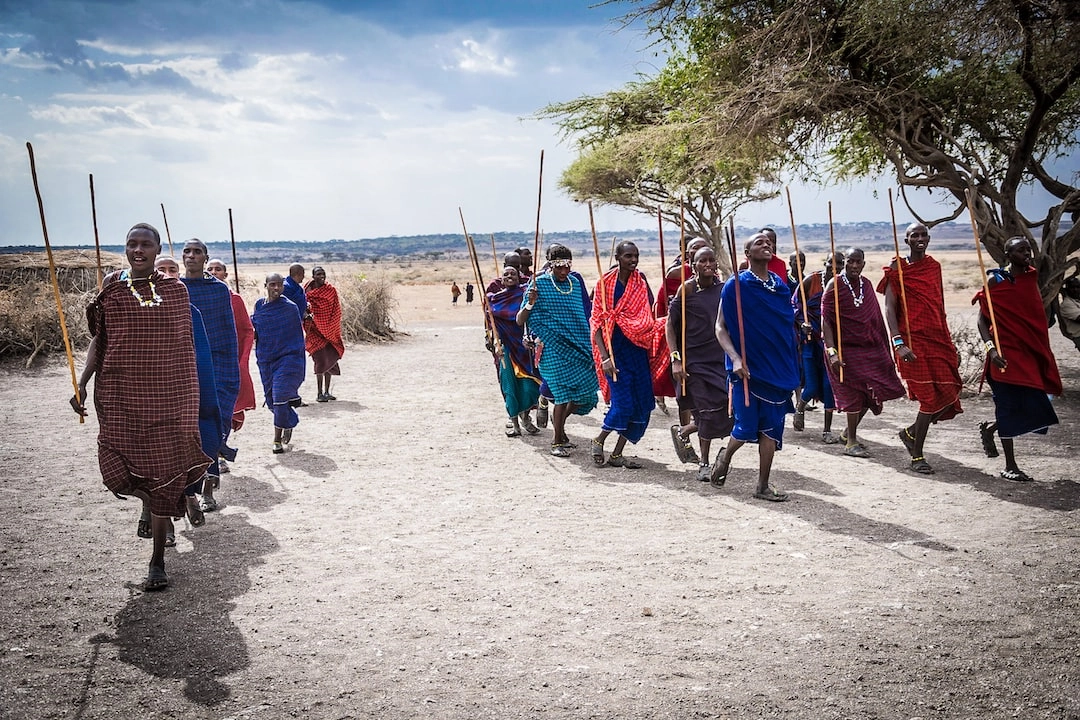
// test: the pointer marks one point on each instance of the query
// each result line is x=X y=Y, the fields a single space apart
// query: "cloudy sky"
x=311 y=119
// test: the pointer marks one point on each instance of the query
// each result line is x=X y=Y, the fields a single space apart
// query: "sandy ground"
x=405 y=559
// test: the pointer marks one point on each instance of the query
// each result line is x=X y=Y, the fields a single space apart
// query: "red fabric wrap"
x=1021 y=328
x=324 y=327
x=635 y=319
x=933 y=378
x=245 y=339
x=146 y=392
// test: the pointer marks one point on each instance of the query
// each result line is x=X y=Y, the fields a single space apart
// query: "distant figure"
x=470 y=289
x=1069 y=310
x=322 y=330
x=455 y=293
x=294 y=289
x=279 y=352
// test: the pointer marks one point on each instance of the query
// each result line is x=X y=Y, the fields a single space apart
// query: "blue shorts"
x=761 y=417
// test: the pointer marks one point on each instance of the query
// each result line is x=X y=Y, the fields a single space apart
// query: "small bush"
x=29 y=323
x=969 y=346
x=366 y=308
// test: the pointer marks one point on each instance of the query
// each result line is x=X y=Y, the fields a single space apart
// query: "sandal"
x=857 y=450
x=208 y=503
x=529 y=427
x=156 y=579
x=624 y=462
x=598 y=453
x=286 y=436
x=559 y=450
x=829 y=437
x=278 y=448
x=771 y=495
x=919 y=465
x=989 y=446
x=681 y=445
x=170 y=539
x=716 y=477
x=908 y=440
x=194 y=512
x=144 y=530
x=691 y=453
x=798 y=422
x=1016 y=475
x=513 y=432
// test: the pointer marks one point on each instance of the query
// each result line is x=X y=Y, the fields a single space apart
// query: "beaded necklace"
x=857 y=299
x=769 y=284
x=154 y=299
x=555 y=285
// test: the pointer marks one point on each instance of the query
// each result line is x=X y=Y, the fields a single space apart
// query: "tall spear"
x=738 y=308
x=900 y=271
x=836 y=292
x=536 y=238
x=495 y=256
x=97 y=240
x=55 y=281
x=600 y=287
x=663 y=267
x=489 y=318
x=168 y=235
x=982 y=270
x=682 y=287
x=798 y=261
x=235 y=266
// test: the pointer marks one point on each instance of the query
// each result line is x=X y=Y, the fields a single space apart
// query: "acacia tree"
x=948 y=95
x=639 y=149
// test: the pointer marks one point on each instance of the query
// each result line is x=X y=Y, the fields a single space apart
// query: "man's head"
x=141 y=247
x=510 y=276
x=854 y=262
x=296 y=272
x=217 y=268
x=759 y=248
x=275 y=285
x=1072 y=287
x=917 y=237
x=318 y=276
x=194 y=256
x=704 y=263
x=1018 y=251
x=512 y=259
x=693 y=246
x=561 y=260
x=797 y=261
x=771 y=234
x=526 y=258
x=627 y=255
x=167 y=267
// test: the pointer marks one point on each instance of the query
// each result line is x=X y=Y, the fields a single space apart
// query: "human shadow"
x=184 y=632
x=334 y=407
x=313 y=464
x=249 y=492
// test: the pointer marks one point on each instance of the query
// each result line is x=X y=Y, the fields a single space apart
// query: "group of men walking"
x=170 y=352
x=734 y=353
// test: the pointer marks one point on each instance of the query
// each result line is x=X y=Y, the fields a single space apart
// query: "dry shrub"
x=29 y=323
x=366 y=308
x=969 y=345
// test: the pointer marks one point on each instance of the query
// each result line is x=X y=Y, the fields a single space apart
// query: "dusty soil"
x=406 y=559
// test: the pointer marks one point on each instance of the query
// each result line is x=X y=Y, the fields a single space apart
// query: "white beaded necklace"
x=769 y=284
x=154 y=299
x=857 y=299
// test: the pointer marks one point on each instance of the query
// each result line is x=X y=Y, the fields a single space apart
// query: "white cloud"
x=474 y=57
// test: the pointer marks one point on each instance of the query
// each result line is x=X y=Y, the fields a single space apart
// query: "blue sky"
x=312 y=120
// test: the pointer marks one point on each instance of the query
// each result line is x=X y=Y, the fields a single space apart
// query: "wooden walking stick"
x=55 y=281
x=235 y=266
x=663 y=267
x=536 y=238
x=682 y=287
x=798 y=261
x=495 y=256
x=97 y=240
x=836 y=293
x=600 y=288
x=900 y=271
x=489 y=319
x=982 y=270
x=738 y=307
x=168 y=235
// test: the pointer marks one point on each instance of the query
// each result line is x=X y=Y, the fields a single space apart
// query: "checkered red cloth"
x=146 y=391
x=324 y=327
x=245 y=339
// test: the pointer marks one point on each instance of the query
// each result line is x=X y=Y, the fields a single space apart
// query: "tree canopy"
x=946 y=95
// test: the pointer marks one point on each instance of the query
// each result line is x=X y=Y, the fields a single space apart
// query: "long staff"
x=982 y=271
x=611 y=258
x=663 y=267
x=52 y=274
x=495 y=256
x=489 y=318
x=600 y=287
x=836 y=292
x=798 y=261
x=536 y=238
x=235 y=266
x=738 y=307
x=682 y=288
x=900 y=271
x=97 y=240
x=168 y=235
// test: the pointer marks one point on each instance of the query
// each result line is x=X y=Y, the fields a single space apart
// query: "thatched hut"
x=76 y=270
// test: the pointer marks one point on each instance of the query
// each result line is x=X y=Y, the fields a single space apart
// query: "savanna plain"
x=405 y=559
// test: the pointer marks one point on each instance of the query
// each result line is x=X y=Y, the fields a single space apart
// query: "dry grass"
x=29 y=324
